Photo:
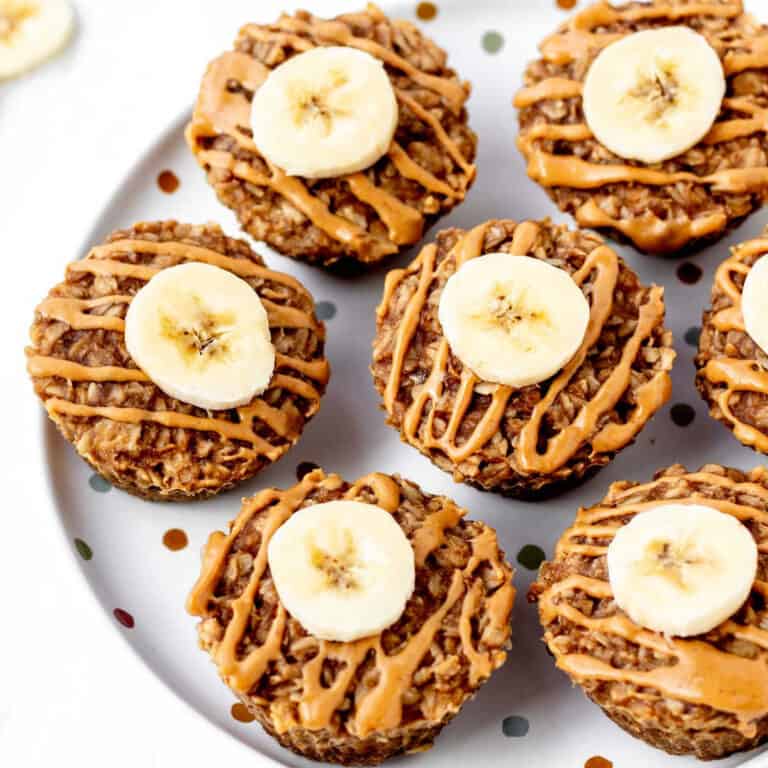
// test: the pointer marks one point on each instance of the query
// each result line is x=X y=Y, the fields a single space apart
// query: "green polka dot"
x=99 y=484
x=515 y=726
x=692 y=336
x=531 y=557
x=493 y=41
x=83 y=549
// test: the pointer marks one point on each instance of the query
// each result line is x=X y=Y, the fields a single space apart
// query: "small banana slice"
x=343 y=569
x=754 y=303
x=32 y=31
x=327 y=112
x=513 y=320
x=654 y=94
x=202 y=335
x=682 y=569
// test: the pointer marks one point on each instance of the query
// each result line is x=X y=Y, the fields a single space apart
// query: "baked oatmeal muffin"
x=715 y=172
x=140 y=435
x=323 y=209
x=354 y=702
x=694 y=559
x=731 y=365
x=501 y=434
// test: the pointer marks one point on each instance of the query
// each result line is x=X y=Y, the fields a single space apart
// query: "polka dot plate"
x=140 y=558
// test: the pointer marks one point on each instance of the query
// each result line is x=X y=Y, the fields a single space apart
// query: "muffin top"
x=664 y=205
x=492 y=433
x=717 y=680
x=363 y=216
x=451 y=636
x=731 y=373
x=121 y=422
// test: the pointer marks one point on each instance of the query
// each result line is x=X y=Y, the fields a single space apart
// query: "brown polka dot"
x=241 y=713
x=168 y=182
x=682 y=414
x=175 y=539
x=426 y=11
x=689 y=273
x=124 y=618
x=566 y=5
x=598 y=762
x=304 y=468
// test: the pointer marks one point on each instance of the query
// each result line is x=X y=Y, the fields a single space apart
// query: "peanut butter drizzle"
x=737 y=374
x=71 y=311
x=380 y=708
x=699 y=672
x=220 y=111
x=650 y=396
x=649 y=232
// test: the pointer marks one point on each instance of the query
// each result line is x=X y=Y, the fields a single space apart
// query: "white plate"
x=133 y=571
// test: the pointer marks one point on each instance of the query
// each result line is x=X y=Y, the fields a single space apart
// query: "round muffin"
x=361 y=217
x=705 y=695
x=119 y=421
x=664 y=207
x=731 y=369
x=537 y=440
x=361 y=702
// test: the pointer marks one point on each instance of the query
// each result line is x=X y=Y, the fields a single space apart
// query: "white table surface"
x=71 y=691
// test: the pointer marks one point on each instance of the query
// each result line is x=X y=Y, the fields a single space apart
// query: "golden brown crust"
x=536 y=440
x=683 y=202
x=364 y=701
x=731 y=372
x=363 y=217
x=126 y=428
x=706 y=695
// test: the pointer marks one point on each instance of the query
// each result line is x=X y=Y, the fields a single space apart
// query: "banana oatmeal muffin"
x=122 y=423
x=732 y=366
x=360 y=702
x=534 y=440
x=702 y=692
x=715 y=172
x=325 y=210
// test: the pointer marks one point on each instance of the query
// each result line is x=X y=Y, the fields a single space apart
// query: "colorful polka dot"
x=124 y=618
x=598 y=762
x=83 y=549
x=493 y=42
x=304 y=468
x=692 y=335
x=531 y=557
x=241 y=713
x=325 y=310
x=689 y=273
x=99 y=484
x=515 y=726
x=682 y=414
x=426 y=11
x=175 y=539
x=168 y=182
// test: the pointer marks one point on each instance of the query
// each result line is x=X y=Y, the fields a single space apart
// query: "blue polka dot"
x=99 y=484
x=515 y=726
x=325 y=310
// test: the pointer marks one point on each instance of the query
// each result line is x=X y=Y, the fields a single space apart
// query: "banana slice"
x=654 y=94
x=682 y=569
x=343 y=569
x=202 y=335
x=32 y=31
x=754 y=303
x=325 y=113
x=513 y=320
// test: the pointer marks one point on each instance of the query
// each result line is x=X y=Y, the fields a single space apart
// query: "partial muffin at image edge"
x=731 y=367
x=360 y=702
x=359 y=217
x=125 y=426
x=704 y=693
x=529 y=441
x=662 y=207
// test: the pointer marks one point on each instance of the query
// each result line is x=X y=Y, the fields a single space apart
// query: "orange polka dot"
x=426 y=11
